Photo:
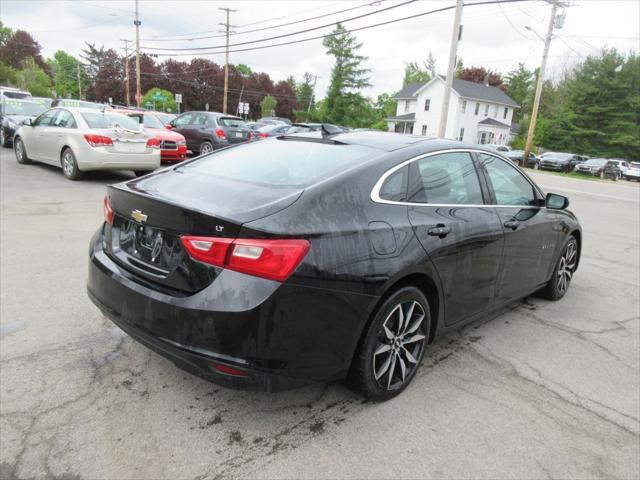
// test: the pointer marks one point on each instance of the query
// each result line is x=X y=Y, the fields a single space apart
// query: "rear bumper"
x=283 y=336
x=89 y=158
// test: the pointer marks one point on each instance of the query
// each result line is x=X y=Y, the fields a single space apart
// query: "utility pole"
x=226 y=59
x=137 y=22
x=126 y=70
x=79 y=84
x=536 y=100
x=453 y=50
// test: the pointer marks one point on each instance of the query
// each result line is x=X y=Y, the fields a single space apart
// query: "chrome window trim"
x=375 y=192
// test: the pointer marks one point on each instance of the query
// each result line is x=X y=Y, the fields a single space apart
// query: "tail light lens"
x=250 y=135
x=153 y=143
x=220 y=134
x=263 y=135
x=97 y=140
x=108 y=211
x=227 y=370
x=272 y=259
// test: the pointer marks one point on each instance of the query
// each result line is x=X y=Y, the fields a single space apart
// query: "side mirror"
x=168 y=126
x=557 y=202
x=28 y=122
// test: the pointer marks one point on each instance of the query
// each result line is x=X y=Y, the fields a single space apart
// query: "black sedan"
x=13 y=112
x=309 y=258
x=516 y=157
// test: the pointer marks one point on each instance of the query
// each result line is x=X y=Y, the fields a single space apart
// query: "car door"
x=462 y=236
x=57 y=135
x=531 y=231
x=182 y=125
x=37 y=145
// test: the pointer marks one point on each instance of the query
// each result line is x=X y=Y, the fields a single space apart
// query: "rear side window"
x=64 y=120
x=280 y=163
x=395 y=187
x=107 y=120
x=231 y=122
x=447 y=178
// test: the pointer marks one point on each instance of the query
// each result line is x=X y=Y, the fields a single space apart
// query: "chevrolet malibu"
x=80 y=139
x=308 y=258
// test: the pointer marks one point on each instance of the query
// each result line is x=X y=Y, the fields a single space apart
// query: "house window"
x=406 y=105
x=427 y=104
x=477 y=108
x=495 y=111
x=506 y=111
x=486 y=110
x=464 y=106
x=424 y=130
x=461 y=137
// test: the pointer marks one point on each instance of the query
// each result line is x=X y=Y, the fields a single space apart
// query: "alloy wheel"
x=567 y=266
x=19 y=150
x=67 y=163
x=206 y=148
x=399 y=346
x=2 y=139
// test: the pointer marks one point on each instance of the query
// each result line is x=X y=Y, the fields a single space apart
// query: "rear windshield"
x=108 y=119
x=149 y=121
x=17 y=107
x=232 y=122
x=280 y=163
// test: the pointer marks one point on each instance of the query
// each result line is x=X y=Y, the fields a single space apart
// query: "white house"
x=478 y=113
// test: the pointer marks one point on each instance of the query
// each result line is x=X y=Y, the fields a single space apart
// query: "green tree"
x=8 y=75
x=520 y=87
x=348 y=76
x=245 y=70
x=268 y=106
x=305 y=96
x=413 y=73
x=160 y=100
x=65 y=74
x=5 y=34
x=385 y=107
x=34 y=79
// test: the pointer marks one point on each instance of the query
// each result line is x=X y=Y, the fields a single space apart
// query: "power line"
x=269 y=28
x=512 y=25
x=388 y=22
x=286 y=34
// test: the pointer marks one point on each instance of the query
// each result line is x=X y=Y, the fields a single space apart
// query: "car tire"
x=563 y=271
x=70 y=165
x=21 y=152
x=4 y=141
x=392 y=345
x=141 y=173
x=206 y=147
x=536 y=166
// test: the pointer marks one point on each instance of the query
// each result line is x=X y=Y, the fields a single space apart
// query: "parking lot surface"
x=541 y=390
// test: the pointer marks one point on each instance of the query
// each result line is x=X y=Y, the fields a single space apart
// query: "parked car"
x=83 y=139
x=498 y=148
x=633 y=172
x=516 y=157
x=13 y=93
x=623 y=165
x=272 y=130
x=165 y=117
x=600 y=167
x=173 y=146
x=560 y=162
x=13 y=112
x=576 y=160
x=44 y=101
x=209 y=131
x=73 y=103
x=304 y=127
x=308 y=259
x=274 y=120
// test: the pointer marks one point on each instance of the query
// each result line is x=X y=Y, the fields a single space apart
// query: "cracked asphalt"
x=540 y=390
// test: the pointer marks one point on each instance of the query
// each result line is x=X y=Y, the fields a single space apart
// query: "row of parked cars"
x=80 y=136
x=613 y=168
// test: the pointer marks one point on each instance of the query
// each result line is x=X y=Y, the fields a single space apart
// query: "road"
x=544 y=389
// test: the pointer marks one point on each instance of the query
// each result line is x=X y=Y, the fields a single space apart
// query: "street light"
x=534 y=32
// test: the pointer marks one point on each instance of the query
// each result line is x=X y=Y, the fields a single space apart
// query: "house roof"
x=409 y=91
x=464 y=88
x=494 y=123
x=407 y=117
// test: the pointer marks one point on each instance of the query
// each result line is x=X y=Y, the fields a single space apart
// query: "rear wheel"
x=563 y=273
x=206 y=147
x=4 y=141
x=21 y=151
x=392 y=346
x=140 y=173
x=69 y=165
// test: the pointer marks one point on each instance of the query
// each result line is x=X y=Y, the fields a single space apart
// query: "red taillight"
x=263 y=135
x=108 y=211
x=227 y=370
x=153 y=143
x=250 y=135
x=97 y=140
x=220 y=133
x=272 y=259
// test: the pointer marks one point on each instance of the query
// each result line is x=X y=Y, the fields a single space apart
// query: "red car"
x=173 y=146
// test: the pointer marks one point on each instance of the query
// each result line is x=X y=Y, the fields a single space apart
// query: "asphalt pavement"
x=540 y=390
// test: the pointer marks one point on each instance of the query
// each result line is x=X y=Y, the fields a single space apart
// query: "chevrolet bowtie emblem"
x=138 y=216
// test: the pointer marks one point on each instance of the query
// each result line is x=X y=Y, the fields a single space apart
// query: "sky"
x=494 y=36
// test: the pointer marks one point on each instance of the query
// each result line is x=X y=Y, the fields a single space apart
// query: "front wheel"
x=392 y=346
x=70 y=166
x=563 y=273
x=4 y=141
x=21 y=151
x=206 y=148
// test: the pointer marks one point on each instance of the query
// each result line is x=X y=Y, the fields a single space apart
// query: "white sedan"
x=80 y=139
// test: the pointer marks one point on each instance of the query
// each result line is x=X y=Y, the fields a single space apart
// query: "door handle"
x=512 y=224
x=439 y=230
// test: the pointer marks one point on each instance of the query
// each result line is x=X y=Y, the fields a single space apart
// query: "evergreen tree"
x=520 y=87
x=413 y=73
x=305 y=96
x=343 y=104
